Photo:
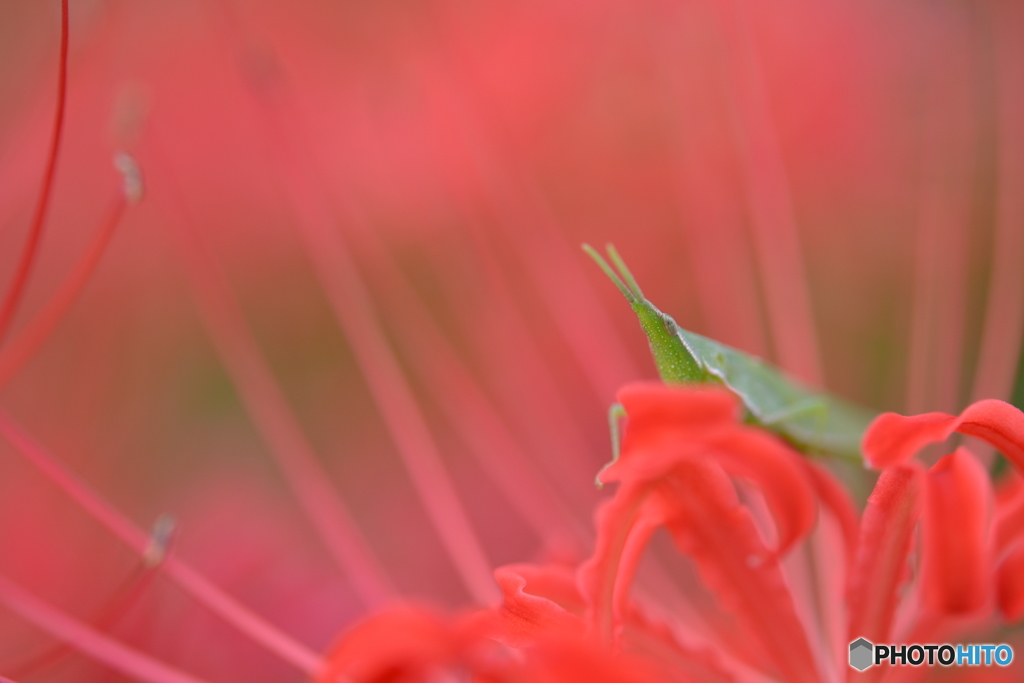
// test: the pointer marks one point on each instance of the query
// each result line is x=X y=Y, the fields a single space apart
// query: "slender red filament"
x=943 y=231
x=193 y=583
x=99 y=647
x=355 y=315
x=268 y=408
x=773 y=225
x=21 y=349
x=1004 y=311
x=35 y=233
x=127 y=595
x=469 y=409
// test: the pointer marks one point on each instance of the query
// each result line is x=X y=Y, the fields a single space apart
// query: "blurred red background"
x=836 y=186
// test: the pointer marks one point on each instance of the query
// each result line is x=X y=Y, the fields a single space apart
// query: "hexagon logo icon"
x=861 y=651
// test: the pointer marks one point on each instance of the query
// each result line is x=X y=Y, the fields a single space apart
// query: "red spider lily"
x=471 y=150
x=412 y=644
x=683 y=454
x=538 y=633
x=679 y=451
x=972 y=538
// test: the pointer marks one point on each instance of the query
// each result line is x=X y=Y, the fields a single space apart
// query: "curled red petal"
x=537 y=601
x=720 y=535
x=893 y=438
x=404 y=641
x=1010 y=583
x=886 y=532
x=957 y=512
x=599 y=577
x=651 y=464
x=554 y=582
x=661 y=411
x=668 y=424
x=778 y=471
x=543 y=604
x=998 y=423
x=646 y=524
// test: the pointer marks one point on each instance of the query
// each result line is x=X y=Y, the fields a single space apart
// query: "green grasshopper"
x=814 y=423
